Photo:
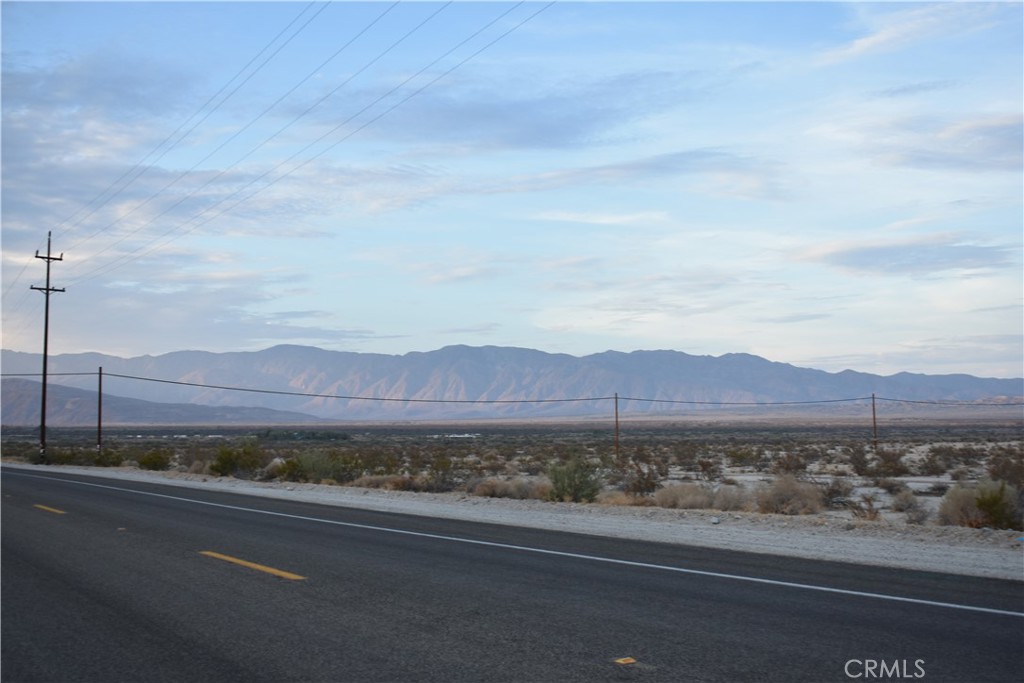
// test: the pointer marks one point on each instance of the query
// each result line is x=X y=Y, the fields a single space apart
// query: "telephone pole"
x=47 y=291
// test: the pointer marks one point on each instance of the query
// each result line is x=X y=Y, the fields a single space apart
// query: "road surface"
x=120 y=581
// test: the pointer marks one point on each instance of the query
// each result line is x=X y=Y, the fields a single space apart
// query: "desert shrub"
x=990 y=504
x=904 y=500
x=960 y=474
x=729 y=498
x=623 y=498
x=237 y=461
x=835 y=493
x=155 y=460
x=858 y=459
x=890 y=463
x=890 y=486
x=788 y=496
x=520 y=489
x=936 y=489
x=685 y=497
x=317 y=465
x=107 y=457
x=390 y=482
x=290 y=470
x=918 y=515
x=743 y=456
x=958 y=508
x=1008 y=468
x=789 y=463
x=710 y=469
x=864 y=508
x=574 y=481
x=932 y=465
x=997 y=502
x=641 y=480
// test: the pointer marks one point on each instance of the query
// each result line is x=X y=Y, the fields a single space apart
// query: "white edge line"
x=542 y=551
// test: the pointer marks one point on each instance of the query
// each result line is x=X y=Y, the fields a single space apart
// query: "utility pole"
x=47 y=291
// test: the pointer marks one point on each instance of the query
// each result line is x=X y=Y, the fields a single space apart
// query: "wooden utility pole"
x=47 y=291
x=874 y=425
x=99 y=413
x=616 y=425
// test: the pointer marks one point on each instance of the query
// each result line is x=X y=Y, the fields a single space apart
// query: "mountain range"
x=450 y=383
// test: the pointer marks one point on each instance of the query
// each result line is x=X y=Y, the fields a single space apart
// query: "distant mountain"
x=69 y=407
x=461 y=373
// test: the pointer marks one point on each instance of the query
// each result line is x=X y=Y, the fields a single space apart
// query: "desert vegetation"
x=968 y=474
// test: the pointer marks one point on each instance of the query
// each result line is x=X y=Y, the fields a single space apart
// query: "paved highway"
x=111 y=581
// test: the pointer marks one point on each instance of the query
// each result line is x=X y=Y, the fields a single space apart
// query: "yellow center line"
x=50 y=509
x=253 y=565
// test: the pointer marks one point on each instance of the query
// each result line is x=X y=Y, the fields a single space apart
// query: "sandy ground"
x=893 y=543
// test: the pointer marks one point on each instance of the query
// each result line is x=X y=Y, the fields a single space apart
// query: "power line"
x=129 y=256
x=139 y=166
x=365 y=125
x=360 y=398
x=153 y=245
x=254 y=390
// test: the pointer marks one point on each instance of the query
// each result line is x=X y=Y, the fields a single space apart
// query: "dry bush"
x=788 y=496
x=625 y=499
x=836 y=493
x=865 y=508
x=685 y=497
x=519 y=489
x=958 y=508
x=730 y=498
x=990 y=504
x=391 y=482
x=1008 y=467
x=918 y=515
x=789 y=463
x=904 y=500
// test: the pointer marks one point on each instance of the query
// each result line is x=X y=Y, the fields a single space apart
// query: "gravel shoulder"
x=891 y=543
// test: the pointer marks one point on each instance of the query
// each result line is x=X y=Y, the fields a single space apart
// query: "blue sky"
x=824 y=184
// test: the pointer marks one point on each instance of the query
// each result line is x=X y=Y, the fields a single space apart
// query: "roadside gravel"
x=892 y=543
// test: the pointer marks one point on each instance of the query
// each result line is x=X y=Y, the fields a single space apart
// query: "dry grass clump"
x=903 y=500
x=389 y=482
x=789 y=496
x=731 y=498
x=685 y=497
x=519 y=489
x=625 y=499
x=696 y=497
x=989 y=504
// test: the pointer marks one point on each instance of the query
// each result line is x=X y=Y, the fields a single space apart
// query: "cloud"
x=795 y=318
x=890 y=30
x=704 y=163
x=535 y=111
x=980 y=144
x=909 y=89
x=104 y=85
x=980 y=355
x=639 y=218
x=916 y=256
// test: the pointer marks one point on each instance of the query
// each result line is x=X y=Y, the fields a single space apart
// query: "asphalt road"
x=114 y=581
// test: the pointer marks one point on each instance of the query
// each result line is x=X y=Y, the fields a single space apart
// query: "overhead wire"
x=126 y=258
x=139 y=166
x=156 y=245
x=197 y=164
x=613 y=397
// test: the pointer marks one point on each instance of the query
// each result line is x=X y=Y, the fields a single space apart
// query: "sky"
x=832 y=185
